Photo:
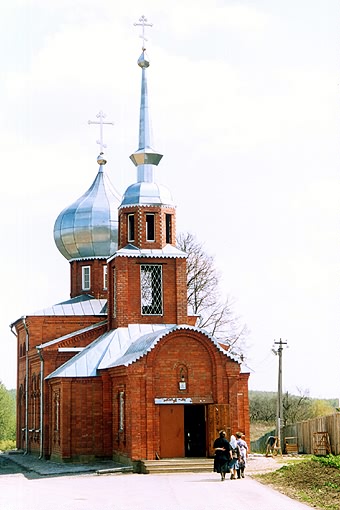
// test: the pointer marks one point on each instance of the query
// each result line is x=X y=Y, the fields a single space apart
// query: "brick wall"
x=140 y=226
x=40 y=330
x=97 y=289
x=126 y=271
x=211 y=377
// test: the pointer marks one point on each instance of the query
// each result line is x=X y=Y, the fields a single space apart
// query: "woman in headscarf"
x=222 y=455
x=240 y=438
x=235 y=457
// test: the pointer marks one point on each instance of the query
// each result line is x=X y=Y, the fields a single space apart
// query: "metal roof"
x=147 y=193
x=80 y=305
x=104 y=351
x=168 y=251
x=122 y=347
x=89 y=226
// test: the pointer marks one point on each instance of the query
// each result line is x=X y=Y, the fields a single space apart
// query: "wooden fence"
x=304 y=432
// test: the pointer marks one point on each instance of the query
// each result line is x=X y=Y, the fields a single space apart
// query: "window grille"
x=151 y=289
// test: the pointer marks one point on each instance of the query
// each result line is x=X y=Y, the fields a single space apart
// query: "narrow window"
x=104 y=277
x=114 y=311
x=151 y=289
x=150 y=227
x=56 y=410
x=86 y=278
x=121 y=411
x=168 y=230
x=131 y=227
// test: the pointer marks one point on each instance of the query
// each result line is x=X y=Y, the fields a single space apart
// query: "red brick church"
x=119 y=370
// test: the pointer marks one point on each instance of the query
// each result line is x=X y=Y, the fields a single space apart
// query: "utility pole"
x=278 y=351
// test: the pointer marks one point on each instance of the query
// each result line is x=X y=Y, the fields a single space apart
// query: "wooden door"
x=172 y=430
x=218 y=419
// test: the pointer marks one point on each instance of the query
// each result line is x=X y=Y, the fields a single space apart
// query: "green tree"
x=321 y=408
x=7 y=414
x=263 y=407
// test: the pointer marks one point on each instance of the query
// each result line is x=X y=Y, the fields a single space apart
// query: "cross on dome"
x=101 y=122
x=143 y=23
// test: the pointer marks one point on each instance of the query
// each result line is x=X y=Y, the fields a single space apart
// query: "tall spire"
x=145 y=156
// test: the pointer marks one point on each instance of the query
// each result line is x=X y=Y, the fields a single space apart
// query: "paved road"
x=128 y=491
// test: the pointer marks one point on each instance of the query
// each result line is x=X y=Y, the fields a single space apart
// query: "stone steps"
x=181 y=465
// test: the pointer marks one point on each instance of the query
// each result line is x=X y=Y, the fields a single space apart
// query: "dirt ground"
x=258 y=464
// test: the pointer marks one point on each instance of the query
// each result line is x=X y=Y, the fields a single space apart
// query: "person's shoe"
x=232 y=477
x=242 y=475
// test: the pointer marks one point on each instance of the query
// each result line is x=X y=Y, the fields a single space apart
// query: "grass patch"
x=315 y=481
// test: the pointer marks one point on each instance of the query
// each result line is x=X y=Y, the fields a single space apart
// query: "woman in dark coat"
x=222 y=454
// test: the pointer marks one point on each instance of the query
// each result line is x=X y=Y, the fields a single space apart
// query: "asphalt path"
x=128 y=491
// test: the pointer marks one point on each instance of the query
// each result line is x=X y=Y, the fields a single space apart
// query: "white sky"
x=245 y=109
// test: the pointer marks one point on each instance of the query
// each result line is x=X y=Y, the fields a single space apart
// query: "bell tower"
x=147 y=281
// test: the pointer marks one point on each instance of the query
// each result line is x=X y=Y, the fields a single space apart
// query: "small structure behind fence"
x=321 y=443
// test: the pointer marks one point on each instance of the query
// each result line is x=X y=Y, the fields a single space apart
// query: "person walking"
x=235 y=457
x=222 y=455
x=240 y=438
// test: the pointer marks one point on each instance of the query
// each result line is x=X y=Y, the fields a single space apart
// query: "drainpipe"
x=41 y=425
x=26 y=385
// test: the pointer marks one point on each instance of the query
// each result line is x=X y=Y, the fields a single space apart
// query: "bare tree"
x=204 y=299
x=296 y=407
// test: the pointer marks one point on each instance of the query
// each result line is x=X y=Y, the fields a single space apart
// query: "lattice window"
x=151 y=289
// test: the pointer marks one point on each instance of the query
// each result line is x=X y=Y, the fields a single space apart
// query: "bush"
x=7 y=444
x=328 y=460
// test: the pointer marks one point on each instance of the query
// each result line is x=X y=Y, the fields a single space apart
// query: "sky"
x=244 y=102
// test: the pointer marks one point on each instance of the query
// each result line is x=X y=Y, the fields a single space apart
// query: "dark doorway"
x=194 y=431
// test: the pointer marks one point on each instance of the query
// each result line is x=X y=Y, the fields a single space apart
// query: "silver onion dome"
x=89 y=227
x=147 y=193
